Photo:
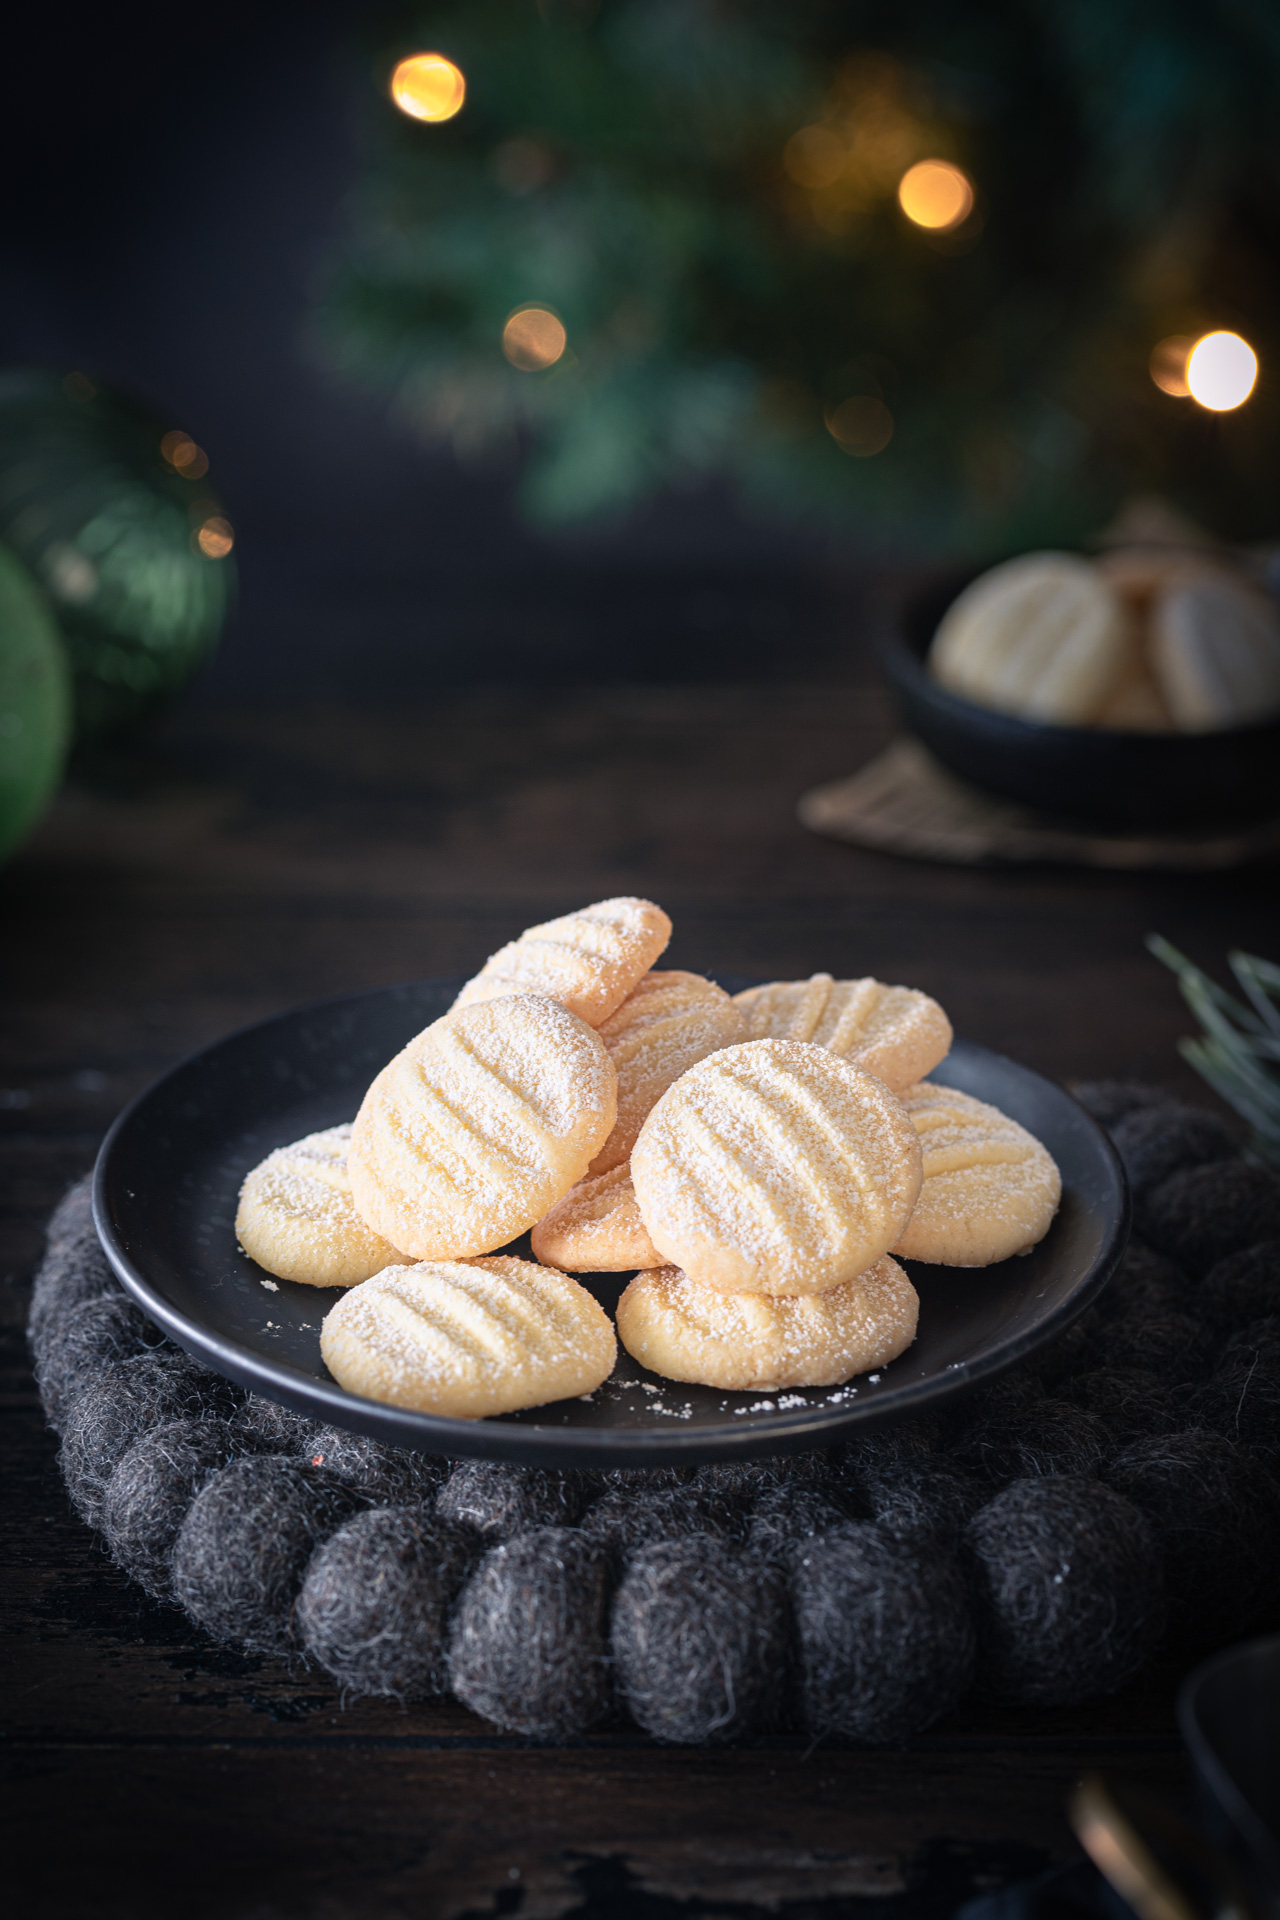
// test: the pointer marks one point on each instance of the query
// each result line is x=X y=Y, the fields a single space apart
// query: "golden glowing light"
x=815 y=157
x=426 y=86
x=1221 y=371
x=936 y=194
x=1168 y=364
x=861 y=426
x=184 y=456
x=215 y=538
x=533 y=338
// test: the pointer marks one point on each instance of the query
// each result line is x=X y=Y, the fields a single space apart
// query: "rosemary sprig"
x=1238 y=1051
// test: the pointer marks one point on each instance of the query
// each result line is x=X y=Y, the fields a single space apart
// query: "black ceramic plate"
x=165 y=1198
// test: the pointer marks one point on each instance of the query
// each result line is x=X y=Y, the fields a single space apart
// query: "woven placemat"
x=904 y=802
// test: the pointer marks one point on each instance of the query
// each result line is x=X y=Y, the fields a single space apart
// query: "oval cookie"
x=990 y=1189
x=477 y=1128
x=589 y=960
x=468 y=1338
x=776 y=1167
x=1215 y=652
x=684 y=1331
x=596 y=1228
x=296 y=1216
x=666 y=1024
x=1044 y=636
x=888 y=1031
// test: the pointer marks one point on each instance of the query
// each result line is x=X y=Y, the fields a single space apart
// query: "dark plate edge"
x=400 y=1427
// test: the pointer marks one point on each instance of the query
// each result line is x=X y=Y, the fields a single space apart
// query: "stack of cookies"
x=759 y=1159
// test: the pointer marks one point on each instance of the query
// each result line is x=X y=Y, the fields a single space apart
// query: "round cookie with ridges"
x=666 y=1024
x=897 y=1033
x=990 y=1189
x=1044 y=636
x=296 y=1216
x=589 y=960
x=776 y=1167
x=685 y=1331
x=596 y=1228
x=468 y=1338
x=479 y=1126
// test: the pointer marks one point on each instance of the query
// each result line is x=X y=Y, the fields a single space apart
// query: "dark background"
x=175 y=178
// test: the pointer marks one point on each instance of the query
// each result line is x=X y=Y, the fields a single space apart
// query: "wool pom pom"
x=629 y=1521
x=1243 y=1287
x=1242 y=1396
x=877 y=1450
x=1217 y=1520
x=1163 y=1341
x=1075 y=1350
x=1158 y=1140
x=786 y=1515
x=74 y=1269
x=243 y=1548
x=924 y=1502
x=1069 y=1594
x=885 y=1634
x=643 y=1479
x=72 y=1218
x=374 y=1606
x=153 y=1485
x=500 y=1501
x=265 y=1426
x=529 y=1646
x=1130 y=1404
x=1046 y=1437
x=700 y=1640
x=73 y=1345
x=1202 y=1215
x=389 y=1476
x=1110 y=1100
x=119 y=1403
x=1143 y=1281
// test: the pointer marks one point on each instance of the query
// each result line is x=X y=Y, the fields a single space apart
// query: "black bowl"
x=1229 y=1716
x=1172 y=782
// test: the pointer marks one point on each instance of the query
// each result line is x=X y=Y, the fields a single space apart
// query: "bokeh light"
x=426 y=86
x=1221 y=371
x=815 y=157
x=861 y=426
x=936 y=194
x=1168 y=364
x=184 y=456
x=533 y=338
x=215 y=538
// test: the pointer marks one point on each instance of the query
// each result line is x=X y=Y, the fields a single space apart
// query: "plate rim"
x=792 y=1431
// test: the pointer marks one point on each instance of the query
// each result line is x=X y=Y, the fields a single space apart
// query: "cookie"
x=776 y=1167
x=896 y=1033
x=990 y=1189
x=468 y=1338
x=1215 y=654
x=1045 y=636
x=596 y=1228
x=480 y=1125
x=296 y=1216
x=589 y=960
x=666 y=1024
x=686 y=1331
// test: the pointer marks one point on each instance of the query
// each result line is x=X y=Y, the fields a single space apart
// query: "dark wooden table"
x=258 y=859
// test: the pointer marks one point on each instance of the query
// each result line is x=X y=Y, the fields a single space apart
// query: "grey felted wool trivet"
x=1133 y=1465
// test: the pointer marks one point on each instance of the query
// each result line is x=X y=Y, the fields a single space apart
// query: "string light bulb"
x=1221 y=371
x=936 y=195
x=426 y=86
x=214 y=538
x=533 y=338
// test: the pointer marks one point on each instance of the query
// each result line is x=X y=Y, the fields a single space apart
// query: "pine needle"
x=1238 y=1050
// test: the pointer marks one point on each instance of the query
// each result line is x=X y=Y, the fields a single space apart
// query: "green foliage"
x=109 y=529
x=35 y=703
x=1238 y=1052
x=629 y=169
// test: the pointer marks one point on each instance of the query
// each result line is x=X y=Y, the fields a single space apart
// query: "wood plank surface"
x=253 y=859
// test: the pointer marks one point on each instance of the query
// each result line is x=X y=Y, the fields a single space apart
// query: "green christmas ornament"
x=35 y=704
x=110 y=508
